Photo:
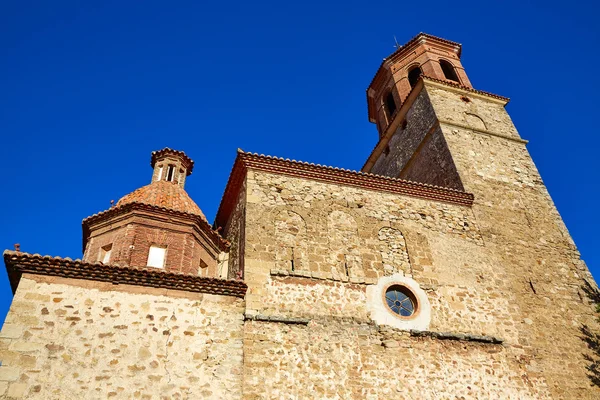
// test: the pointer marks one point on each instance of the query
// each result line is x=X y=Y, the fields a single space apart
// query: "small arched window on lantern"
x=413 y=75
x=390 y=104
x=449 y=71
x=170 y=173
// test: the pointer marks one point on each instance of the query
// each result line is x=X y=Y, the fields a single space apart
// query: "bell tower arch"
x=397 y=75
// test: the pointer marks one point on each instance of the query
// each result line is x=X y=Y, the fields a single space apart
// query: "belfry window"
x=390 y=104
x=170 y=173
x=413 y=76
x=449 y=71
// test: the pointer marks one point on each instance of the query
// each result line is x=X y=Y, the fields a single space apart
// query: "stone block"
x=8 y=373
x=11 y=331
x=16 y=390
x=26 y=347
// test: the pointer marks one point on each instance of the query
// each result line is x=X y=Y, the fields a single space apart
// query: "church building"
x=441 y=270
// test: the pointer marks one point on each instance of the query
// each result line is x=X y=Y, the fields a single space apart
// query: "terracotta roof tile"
x=334 y=175
x=163 y=194
x=18 y=263
x=197 y=219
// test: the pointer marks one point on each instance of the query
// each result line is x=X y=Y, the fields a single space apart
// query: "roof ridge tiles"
x=358 y=172
x=305 y=170
x=200 y=220
x=18 y=263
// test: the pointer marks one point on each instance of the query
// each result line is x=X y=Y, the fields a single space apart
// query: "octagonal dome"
x=165 y=194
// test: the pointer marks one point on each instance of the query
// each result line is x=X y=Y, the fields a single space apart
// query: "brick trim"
x=275 y=165
x=188 y=162
x=194 y=219
x=18 y=263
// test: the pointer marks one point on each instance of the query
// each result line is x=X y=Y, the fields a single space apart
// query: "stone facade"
x=449 y=207
x=68 y=338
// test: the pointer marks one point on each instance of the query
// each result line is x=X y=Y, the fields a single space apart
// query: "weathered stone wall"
x=235 y=232
x=468 y=109
x=74 y=339
x=519 y=222
x=432 y=163
x=345 y=360
x=439 y=245
x=505 y=267
x=406 y=139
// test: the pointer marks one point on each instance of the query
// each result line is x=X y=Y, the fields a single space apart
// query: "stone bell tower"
x=435 y=128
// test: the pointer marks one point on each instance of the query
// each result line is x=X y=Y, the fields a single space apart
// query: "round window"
x=401 y=301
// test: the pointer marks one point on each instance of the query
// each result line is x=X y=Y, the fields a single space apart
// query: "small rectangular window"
x=156 y=256
x=160 y=171
x=203 y=268
x=170 y=170
x=104 y=254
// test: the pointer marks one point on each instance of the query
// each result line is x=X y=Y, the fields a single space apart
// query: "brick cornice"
x=18 y=263
x=187 y=162
x=383 y=70
x=340 y=176
x=194 y=219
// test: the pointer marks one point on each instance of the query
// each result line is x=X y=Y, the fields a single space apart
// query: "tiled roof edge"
x=186 y=158
x=466 y=88
x=18 y=263
x=333 y=175
x=410 y=43
x=216 y=238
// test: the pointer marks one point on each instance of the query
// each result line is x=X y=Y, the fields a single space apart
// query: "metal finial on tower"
x=397 y=45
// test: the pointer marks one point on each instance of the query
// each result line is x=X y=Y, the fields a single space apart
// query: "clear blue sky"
x=89 y=89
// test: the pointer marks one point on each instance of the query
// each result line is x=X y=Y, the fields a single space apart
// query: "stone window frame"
x=381 y=314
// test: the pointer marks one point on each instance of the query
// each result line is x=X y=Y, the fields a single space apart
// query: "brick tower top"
x=171 y=166
x=157 y=225
x=422 y=55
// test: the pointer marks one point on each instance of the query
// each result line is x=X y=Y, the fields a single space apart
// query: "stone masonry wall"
x=432 y=163
x=235 y=232
x=437 y=244
x=519 y=222
x=406 y=139
x=74 y=339
x=505 y=267
x=345 y=360
x=348 y=238
x=524 y=232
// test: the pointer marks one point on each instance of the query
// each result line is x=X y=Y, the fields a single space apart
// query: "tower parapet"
x=171 y=166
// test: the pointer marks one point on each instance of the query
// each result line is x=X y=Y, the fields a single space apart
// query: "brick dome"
x=163 y=194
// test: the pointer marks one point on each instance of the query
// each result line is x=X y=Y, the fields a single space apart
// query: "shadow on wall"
x=592 y=339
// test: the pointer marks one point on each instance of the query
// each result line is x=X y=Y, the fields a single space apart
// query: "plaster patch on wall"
x=382 y=315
